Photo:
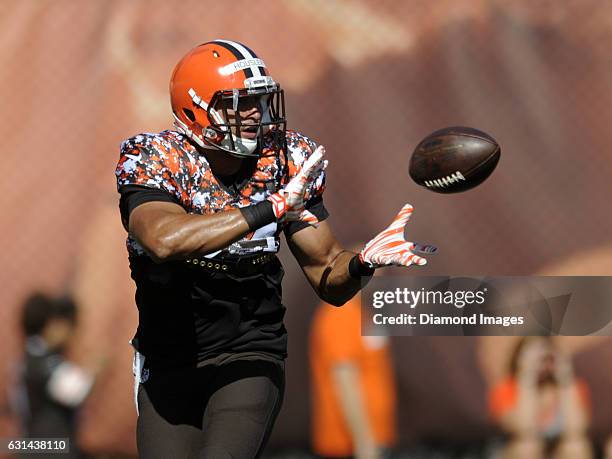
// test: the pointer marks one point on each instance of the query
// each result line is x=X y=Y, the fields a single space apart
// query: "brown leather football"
x=454 y=159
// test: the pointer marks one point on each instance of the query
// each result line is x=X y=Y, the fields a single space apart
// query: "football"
x=454 y=159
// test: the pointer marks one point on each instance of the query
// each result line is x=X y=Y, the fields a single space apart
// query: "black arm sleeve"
x=134 y=195
x=315 y=206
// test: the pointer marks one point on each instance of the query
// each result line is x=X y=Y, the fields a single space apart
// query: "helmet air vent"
x=189 y=114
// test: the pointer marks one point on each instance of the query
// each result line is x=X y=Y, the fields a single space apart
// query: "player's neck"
x=223 y=164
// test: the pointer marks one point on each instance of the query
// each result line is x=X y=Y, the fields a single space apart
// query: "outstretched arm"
x=324 y=263
x=337 y=274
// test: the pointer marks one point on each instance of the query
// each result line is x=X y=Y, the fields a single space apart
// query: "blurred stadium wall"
x=368 y=79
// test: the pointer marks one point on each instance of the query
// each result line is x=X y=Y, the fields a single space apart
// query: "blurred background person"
x=353 y=386
x=541 y=406
x=50 y=388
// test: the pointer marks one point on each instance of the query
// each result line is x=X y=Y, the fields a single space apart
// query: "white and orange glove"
x=389 y=248
x=288 y=203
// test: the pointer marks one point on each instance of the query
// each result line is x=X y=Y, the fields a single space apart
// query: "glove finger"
x=415 y=259
x=307 y=181
x=401 y=218
x=314 y=172
x=315 y=159
x=301 y=181
x=407 y=258
x=305 y=177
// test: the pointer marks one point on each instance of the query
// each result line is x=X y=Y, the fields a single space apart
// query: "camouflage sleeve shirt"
x=169 y=163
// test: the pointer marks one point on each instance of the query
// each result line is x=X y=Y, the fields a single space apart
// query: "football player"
x=204 y=205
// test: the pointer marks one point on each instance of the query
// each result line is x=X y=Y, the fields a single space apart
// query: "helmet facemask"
x=226 y=122
x=210 y=91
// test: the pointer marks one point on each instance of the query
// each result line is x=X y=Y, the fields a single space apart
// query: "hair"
x=38 y=309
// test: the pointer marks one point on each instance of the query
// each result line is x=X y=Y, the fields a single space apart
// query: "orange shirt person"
x=541 y=406
x=353 y=386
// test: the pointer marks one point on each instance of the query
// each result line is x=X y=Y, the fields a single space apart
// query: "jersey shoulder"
x=163 y=160
x=164 y=145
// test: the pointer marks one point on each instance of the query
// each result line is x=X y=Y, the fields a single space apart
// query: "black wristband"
x=357 y=269
x=258 y=215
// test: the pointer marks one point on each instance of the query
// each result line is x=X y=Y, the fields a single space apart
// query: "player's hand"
x=530 y=360
x=288 y=203
x=389 y=248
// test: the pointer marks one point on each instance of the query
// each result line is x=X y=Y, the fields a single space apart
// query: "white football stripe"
x=246 y=54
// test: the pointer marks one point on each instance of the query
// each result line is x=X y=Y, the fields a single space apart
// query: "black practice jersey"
x=188 y=315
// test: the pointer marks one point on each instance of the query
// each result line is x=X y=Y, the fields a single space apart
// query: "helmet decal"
x=241 y=65
x=242 y=53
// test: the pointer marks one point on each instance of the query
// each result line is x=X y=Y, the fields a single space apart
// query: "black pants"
x=215 y=412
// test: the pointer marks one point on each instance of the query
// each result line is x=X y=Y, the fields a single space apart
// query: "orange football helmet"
x=219 y=76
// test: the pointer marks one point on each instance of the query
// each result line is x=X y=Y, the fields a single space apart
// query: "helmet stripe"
x=261 y=67
x=242 y=52
x=237 y=54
